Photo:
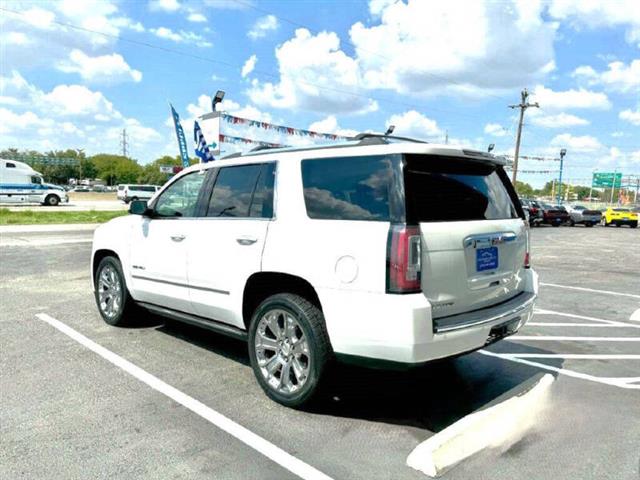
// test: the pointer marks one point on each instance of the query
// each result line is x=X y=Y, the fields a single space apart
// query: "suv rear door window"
x=348 y=188
x=446 y=189
x=243 y=191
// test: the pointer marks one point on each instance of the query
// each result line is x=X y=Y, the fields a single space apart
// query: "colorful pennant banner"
x=280 y=128
x=231 y=139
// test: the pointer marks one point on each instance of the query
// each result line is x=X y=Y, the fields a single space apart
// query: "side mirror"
x=138 y=207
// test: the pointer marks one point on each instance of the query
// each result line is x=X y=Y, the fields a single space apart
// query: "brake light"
x=527 y=260
x=403 y=259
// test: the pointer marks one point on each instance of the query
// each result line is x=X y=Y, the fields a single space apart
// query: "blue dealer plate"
x=486 y=259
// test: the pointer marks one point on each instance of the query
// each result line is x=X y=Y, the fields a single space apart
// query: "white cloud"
x=585 y=143
x=414 y=124
x=39 y=17
x=459 y=47
x=619 y=77
x=102 y=69
x=249 y=65
x=62 y=118
x=330 y=125
x=263 y=26
x=307 y=62
x=617 y=134
x=181 y=36
x=197 y=18
x=67 y=100
x=495 y=129
x=164 y=5
x=597 y=14
x=630 y=116
x=15 y=38
x=561 y=120
x=568 y=99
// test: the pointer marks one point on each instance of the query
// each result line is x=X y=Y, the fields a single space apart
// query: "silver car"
x=583 y=215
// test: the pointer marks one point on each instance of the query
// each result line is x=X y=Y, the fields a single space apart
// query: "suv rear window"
x=348 y=188
x=445 y=189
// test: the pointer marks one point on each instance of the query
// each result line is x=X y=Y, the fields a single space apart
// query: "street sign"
x=606 y=179
x=166 y=169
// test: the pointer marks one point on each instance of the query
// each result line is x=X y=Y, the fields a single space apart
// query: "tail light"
x=527 y=260
x=403 y=259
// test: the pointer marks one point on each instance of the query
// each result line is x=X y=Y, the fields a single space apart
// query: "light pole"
x=563 y=152
x=591 y=187
x=613 y=185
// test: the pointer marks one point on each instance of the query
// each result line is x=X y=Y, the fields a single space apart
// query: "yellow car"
x=619 y=216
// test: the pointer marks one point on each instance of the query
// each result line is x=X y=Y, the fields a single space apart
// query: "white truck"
x=19 y=183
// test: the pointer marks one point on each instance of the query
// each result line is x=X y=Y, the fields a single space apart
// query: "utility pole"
x=446 y=137
x=523 y=105
x=124 y=144
x=613 y=185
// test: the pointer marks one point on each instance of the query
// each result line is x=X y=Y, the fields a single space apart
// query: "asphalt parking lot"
x=69 y=413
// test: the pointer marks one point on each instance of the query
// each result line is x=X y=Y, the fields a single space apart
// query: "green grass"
x=30 y=217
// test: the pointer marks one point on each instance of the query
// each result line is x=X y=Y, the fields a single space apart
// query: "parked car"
x=81 y=189
x=128 y=193
x=377 y=249
x=535 y=211
x=554 y=215
x=19 y=183
x=582 y=215
x=619 y=216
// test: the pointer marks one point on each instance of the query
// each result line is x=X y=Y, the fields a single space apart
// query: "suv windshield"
x=445 y=189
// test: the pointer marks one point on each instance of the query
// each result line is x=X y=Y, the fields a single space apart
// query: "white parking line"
x=583 y=317
x=584 y=289
x=574 y=356
x=544 y=338
x=635 y=316
x=616 y=382
x=569 y=324
x=266 y=448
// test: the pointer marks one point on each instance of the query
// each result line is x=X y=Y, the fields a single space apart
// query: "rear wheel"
x=617 y=225
x=588 y=224
x=114 y=302
x=289 y=348
x=572 y=223
x=634 y=225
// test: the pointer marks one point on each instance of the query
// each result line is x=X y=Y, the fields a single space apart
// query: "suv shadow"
x=431 y=396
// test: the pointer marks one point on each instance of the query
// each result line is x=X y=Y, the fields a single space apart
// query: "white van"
x=19 y=183
x=127 y=193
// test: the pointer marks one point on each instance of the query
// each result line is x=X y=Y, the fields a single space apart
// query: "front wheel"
x=114 y=302
x=51 y=200
x=289 y=348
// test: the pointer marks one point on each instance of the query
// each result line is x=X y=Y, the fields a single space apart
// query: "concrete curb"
x=69 y=227
x=490 y=427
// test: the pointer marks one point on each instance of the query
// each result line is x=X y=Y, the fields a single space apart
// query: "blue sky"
x=73 y=73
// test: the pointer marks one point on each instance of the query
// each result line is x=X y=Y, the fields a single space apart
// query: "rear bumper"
x=400 y=328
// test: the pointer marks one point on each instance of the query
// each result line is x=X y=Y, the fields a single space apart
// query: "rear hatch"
x=474 y=240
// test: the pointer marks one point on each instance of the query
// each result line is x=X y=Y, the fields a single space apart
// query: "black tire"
x=588 y=224
x=127 y=310
x=617 y=225
x=555 y=224
x=634 y=225
x=311 y=322
x=572 y=223
x=51 y=200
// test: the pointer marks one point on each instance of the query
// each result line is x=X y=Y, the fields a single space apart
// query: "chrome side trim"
x=177 y=284
x=510 y=308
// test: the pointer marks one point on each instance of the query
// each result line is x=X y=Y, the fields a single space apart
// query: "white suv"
x=376 y=250
x=130 y=193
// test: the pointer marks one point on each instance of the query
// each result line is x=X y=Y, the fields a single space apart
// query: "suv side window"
x=243 y=191
x=180 y=198
x=350 y=188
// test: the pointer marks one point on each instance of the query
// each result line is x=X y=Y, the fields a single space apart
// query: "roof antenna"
x=390 y=130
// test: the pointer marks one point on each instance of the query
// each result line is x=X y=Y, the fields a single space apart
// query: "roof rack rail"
x=379 y=138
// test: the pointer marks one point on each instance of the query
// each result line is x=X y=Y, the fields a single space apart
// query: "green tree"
x=114 y=169
x=524 y=189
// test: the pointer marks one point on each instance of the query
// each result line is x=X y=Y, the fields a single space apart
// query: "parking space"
x=68 y=412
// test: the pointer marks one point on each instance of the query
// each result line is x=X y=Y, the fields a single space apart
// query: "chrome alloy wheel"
x=282 y=351
x=109 y=291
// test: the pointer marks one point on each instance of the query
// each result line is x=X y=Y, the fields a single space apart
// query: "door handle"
x=177 y=238
x=246 y=240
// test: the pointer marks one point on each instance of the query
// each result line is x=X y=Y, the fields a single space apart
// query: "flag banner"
x=280 y=128
x=202 y=150
x=182 y=141
x=231 y=139
x=210 y=125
